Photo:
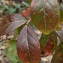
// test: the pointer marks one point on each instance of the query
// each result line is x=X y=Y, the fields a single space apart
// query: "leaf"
x=58 y=55
x=61 y=11
x=48 y=43
x=0 y=7
x=11 y=52
x=59 y=27
x=16 y=6
x=61 y=17
x=32 y=25
x=12 y=10
x=4 y=7
x=26 y=4
x=11 y=22
x=28 y=46
x=45 y=14
x=60 y=6
x=29 y=1
x=17 y=31
x=26 y=14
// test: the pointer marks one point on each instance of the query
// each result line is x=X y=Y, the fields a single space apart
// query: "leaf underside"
x=28 y=48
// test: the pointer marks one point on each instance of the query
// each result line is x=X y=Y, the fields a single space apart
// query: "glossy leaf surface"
x=11 y=52
x=48 y=43
x=11 y=22
x=44 y=14
x=58 y=55
x=28 y=48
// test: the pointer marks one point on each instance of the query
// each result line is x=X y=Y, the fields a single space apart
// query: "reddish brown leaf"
x=45 y=14
x=48 y=44
x=58 y=55
x=28 y=48
x=11 y=22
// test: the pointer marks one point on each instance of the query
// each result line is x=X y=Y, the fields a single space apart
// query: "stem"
x=28 y=21
x=58 y=36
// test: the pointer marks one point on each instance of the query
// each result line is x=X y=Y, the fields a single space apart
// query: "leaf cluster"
x=43 y=15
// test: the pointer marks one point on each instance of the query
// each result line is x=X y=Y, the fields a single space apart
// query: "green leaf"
x=61 y=17
x=32 y=25
x=59 y=27
x=45 y=14
x=48 y=43
x=29 y=1
x=17 y=31
x=58 y=55
x=61 y=12
x=3 y=9
x=0 y=6
x=17 y=6
x=12 y=10
x=26 y=4
x=1 y=45
x=60 y=6
x=15 y=34
x=3 y=41
x=6 y=6
x=11 y=52
x=43 y=40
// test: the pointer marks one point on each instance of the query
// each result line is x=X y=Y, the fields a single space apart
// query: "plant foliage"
x=43 y=15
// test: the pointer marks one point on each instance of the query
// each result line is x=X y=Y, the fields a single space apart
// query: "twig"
x=28 y=21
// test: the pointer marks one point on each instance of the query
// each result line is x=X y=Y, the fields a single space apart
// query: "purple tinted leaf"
x=11 y=22
x=28 y=48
